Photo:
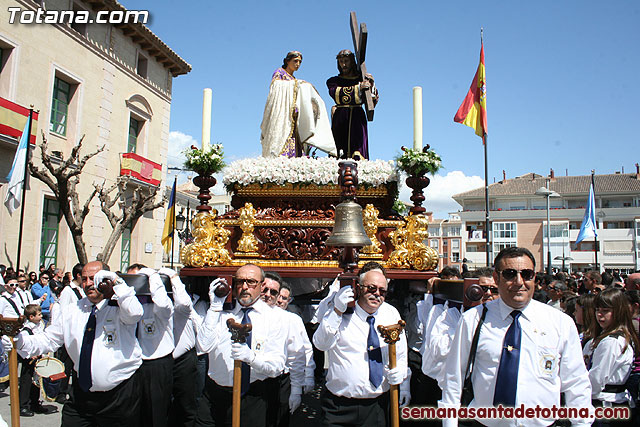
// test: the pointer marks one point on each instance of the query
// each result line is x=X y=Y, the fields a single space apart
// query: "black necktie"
x=375 y=354
x=84 y=369
x=246 y=369
x=507 y=379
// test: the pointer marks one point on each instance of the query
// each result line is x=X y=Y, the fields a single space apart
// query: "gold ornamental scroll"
x=410 y=251
x=248 y=244
x=370 y=222
x=208 y=247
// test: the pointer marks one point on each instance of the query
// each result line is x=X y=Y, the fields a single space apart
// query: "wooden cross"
x=360 y=49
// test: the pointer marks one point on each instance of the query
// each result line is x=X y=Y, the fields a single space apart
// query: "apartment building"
x=112 y=84
x=519 y=218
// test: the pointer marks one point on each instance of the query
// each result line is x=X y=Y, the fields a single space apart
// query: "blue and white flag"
x=16 y=175
x=588 y=228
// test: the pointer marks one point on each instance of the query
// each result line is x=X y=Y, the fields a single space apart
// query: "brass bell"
x=348 y=229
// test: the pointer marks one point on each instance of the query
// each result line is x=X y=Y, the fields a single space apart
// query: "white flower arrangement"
x=304 y=170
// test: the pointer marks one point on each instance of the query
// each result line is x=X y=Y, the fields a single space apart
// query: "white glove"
x=395 y=375
x=101 y=275
x=216 y=301
x=343 y=297
x=6 y=344
x=169 y=272
x=242 y=352
x=295 y=399
x=309 y=385
x=405 y=391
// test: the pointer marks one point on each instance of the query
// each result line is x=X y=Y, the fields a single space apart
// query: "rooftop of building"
x=526 y=185
x=146 y=39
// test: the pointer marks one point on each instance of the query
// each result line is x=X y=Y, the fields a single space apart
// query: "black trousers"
x=118 y=407
x=216 y=405
x=183 y=406
x=349 y=412
x=278 y=401
x=29 y=393
x=156 y=384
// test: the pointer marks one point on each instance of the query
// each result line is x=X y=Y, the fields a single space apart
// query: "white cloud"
x=178 y=142
x=438 y=193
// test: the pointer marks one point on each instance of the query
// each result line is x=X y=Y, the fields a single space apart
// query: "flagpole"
x=173 y=219
x=595 y=237
x=24 y=189
x=487 y=224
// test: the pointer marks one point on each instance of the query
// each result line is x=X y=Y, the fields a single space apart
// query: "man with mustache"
x=262 y=355
x=358 y=378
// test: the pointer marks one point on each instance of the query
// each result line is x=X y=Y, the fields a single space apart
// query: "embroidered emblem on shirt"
x=149 y=328
x=259 y=345
x=547 y=364
x=109 y=337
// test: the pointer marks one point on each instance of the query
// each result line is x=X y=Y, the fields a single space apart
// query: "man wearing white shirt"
x=99 y=334
x=528 y=353
x=155 y=334
x=185 y=323
x=73 y=292
x=10 y=304
x=263 y=355
x=358 y=378
x=286 y=395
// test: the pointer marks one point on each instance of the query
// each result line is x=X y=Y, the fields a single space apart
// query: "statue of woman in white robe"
x=295 y=118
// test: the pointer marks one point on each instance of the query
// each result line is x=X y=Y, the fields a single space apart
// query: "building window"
x=435 y=232
x=434 y=243
x=49 y=234
x=134 y=131
x=141 y=66
x=455 y=245
x=60 y=107
x=504 y=230
x=6 y=59
x=81 y=15
x=125 y=249
x=455 y=256
x=557 y=230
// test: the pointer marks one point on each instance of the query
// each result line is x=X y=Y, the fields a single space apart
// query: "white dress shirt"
x=68 y=295
x=550 y=362
x=26 y=298
x=610 y=365
x=36 y=328
x=200 y=308
x=298 y=347
x=326 y=303
x=345 y=339
x=6 y=308
x=116 y=354
x=155 y=329
x=184 y=328
x=437 y=342
x=268 y=337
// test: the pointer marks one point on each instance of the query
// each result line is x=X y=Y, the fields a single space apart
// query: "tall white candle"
x=206 y=119
x=417 y=118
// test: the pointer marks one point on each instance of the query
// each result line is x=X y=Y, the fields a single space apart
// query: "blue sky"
x=561 y=78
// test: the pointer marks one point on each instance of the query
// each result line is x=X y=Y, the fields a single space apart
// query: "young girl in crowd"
x=633 y=382
x=611 y=353
x=585 y=317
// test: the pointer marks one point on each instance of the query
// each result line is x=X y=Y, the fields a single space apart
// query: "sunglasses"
x=22 y=281
x=493 y=289
x=11 y=285
x=251 y=283
x=551 y=288
x=373 y=289
x=273 y=292
x=511 y=273
x=44 y=278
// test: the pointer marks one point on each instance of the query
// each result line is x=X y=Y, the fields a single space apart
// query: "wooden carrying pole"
x=391 y=334
x=239 y=333
x=11 y=327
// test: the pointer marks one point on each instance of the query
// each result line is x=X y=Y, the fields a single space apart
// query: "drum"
x=50 y=373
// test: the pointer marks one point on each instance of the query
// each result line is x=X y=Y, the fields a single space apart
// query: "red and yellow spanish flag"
x=473 y=111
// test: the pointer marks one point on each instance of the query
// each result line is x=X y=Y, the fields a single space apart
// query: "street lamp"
x=543 y=191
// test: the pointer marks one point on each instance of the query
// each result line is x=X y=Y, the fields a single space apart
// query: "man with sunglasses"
x=10 y=305
x=527 y=353
x=358 y=377
x=287 y=388
x=262 y=356
x=41 y=289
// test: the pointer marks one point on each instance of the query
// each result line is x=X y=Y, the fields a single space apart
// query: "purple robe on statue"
x=348 y=119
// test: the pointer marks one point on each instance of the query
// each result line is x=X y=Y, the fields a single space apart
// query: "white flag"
x=16 y=176
x=588 y=228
